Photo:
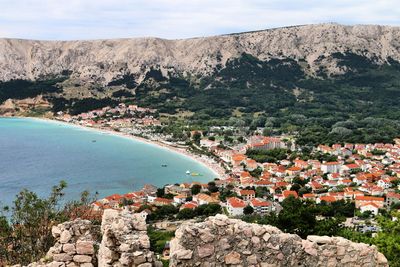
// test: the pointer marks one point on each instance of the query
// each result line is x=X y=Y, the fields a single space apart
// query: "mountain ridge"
x=102 y=61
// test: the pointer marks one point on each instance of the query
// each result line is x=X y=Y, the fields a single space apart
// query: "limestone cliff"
x=105 y=60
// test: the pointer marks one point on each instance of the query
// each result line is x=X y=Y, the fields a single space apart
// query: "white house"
x=260 y=206
x=330 y=167
x=370 y=207
x=235 y=206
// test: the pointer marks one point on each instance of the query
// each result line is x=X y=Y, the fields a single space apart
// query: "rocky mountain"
x=106 y=60
x=323 y=83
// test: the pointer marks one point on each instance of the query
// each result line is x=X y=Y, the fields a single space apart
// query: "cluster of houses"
x=121 y=116
x=367 y=175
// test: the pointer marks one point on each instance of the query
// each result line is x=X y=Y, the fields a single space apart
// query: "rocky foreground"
x=218 y=241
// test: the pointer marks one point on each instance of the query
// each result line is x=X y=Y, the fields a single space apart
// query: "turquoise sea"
x=38 y=154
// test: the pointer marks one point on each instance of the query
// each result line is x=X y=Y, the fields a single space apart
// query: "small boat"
x=195 y=174
x=94 y=141
x=188 y=172
x=164 y=165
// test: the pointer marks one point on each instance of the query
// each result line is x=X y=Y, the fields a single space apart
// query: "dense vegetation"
x=77 y=106
x=20 y=89
x=358 y=106
x=280 y=95
x=300 y=218
x=25 y=227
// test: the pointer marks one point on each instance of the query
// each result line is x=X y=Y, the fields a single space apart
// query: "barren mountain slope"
x=104 y=60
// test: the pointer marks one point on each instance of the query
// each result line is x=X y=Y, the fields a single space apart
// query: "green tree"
x=186 y=214
x=26 y=235
x=248 y=210
x=196 y=188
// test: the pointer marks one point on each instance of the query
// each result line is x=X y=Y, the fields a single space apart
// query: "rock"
x=232 y=258
x=65 y=236
x=255 y=240
x=62 y=257
x=206 y=235
x=55 y=231
x=82 y=258
x=234 y=244
x=224 y=244
x=266 y=237
x=184 y=254
x=84 y=247
x=319 y=239
x=86 y=264
x=205 y=250
x=69 y=248
x=125 y=241
x=195 y=55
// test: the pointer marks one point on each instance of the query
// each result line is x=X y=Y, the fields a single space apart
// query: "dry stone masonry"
x=125 y=241
x=75 y=246
x=220 y=241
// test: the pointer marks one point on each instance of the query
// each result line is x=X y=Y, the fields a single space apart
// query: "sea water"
x=36 y=155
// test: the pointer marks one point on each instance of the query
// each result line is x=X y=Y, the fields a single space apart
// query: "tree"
x=296 y=217
x=196 y=188
x=186 y=214
x=388 y=239
x=248 y=210
x=212 y=187
x=196 y=137
x=26 y=235
x=160 y=192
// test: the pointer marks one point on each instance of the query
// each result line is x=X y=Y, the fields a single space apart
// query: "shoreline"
x=212 y=166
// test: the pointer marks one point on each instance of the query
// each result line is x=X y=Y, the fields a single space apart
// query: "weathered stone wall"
x=125 y=241
x=75 y=246
x=220 y=241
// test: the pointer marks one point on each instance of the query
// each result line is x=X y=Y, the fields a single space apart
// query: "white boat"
x=188 y=172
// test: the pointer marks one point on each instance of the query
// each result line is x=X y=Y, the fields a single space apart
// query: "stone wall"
x=125 y=241
x=220 y=241
x=75 y=246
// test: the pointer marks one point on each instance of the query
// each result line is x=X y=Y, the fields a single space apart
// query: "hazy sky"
x=94 y=19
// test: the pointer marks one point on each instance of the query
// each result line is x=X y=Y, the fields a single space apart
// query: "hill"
x=318 y=81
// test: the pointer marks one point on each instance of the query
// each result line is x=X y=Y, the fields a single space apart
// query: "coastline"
x=203 y=160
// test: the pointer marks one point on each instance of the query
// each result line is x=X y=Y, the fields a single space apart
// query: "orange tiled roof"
x=236 y=202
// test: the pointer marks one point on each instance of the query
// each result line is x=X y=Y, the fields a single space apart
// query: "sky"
x=175 y=19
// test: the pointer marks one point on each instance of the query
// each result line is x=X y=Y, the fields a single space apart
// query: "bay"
x=36 y=155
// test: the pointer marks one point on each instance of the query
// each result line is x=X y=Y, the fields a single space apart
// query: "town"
x=260 y=172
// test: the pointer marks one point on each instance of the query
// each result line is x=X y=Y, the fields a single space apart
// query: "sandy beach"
x=205 y=161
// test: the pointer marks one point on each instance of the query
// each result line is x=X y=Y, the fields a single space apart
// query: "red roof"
x=259 y=203
x=331 y=163
x=369 y=198
x=352 y=166
x=163 y=200
x=327 y=198
x=370 y=204
x=393 y=194
x=236 y=202
x=114 y=197
x=288 y=193
x=294 y=169
x=189 y=205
